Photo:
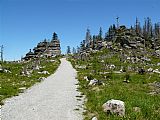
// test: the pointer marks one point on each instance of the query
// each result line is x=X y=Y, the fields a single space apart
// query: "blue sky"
x=24 y=23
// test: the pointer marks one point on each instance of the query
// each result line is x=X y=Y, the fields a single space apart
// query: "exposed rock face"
x=45 y=48
x=114 y=107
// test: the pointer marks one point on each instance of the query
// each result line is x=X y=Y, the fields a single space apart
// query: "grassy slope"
x=11 y=82
x=134 y=94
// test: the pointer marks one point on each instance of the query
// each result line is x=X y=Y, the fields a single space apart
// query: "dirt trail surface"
x=52 y=99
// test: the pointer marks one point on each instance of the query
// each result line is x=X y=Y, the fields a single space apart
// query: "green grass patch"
x=134 y=94
x=11 y=82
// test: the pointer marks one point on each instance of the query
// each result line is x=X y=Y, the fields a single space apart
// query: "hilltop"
x=123 y=65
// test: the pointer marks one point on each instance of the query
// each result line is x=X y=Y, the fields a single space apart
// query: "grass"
x=134 y=94
x=11 y=82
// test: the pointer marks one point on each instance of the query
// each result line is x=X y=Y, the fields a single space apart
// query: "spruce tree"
x=68 y=50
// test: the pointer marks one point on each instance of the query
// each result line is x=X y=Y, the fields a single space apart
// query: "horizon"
x=25 y=23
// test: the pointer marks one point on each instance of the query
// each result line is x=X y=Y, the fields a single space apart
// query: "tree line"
x=149 y=31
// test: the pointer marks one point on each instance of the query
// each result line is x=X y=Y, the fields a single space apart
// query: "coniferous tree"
x=100 y=34
x=94 y=42
x=83 y=45
x=157 y=30
x=78 y=49
x=147 y=28
x=68 y=50
x=88 y=38
x=137 y=27
x=73 y=51
x=111 y=32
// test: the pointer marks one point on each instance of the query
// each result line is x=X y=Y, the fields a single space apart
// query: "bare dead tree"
x=1 y=53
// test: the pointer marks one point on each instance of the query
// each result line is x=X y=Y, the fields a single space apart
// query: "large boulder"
x=114 y=107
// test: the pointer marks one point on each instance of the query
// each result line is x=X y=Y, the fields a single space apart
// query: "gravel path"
x=52 y=99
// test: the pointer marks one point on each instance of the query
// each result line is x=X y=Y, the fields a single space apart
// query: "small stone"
x=86 y=78
x=7 y=71
x=121 y=70
x=41 y=78
x=158 y=64
x=136 y=109
x=52 y=60
x=43 y=72
x=156 y=71
x=0 y=112
x=117 y=72
x=150 y=70
x=126 y=81
x=92 y=82
x=112 y=66
x=102 y=61
x=22 y=89
x=95 y=82
x=141 y=71
x=94 y=118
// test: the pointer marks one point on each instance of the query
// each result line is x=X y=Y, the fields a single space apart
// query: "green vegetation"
x=11 y=82
x=135 y=93
x=127 y=61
